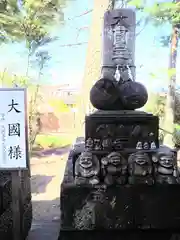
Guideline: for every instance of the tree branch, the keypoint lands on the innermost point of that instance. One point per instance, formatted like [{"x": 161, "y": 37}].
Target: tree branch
[
  {"x": 79, "y": 31},
  {"x": 82, "y": 14},
  {"x": 73, "y": 44},
  {"x": 145, "y": 24}
]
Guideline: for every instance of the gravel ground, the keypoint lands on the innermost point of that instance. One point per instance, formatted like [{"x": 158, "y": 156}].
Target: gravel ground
[{"x": 47, "y": 174}]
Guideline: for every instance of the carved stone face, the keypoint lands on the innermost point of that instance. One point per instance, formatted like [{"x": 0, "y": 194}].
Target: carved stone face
[
  {"x": 166, "y": 161},
  {"x": 114, "y": 158},
  {"x": 86, "y": 159},
  {"x": 155, "y": 158},
  {"x": 89, "y": 143},
  {"x": 141, "y": 158}
]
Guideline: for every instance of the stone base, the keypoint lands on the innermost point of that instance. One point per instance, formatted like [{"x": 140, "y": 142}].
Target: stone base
[
  {"x": 118, "y": 235},
  {"x": 6, "y": 222},
  {"x": 120, "y": 207},
  {"x": 121, "y": 126}
]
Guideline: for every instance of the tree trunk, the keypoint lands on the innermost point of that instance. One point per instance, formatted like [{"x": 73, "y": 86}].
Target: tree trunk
[
  {"x": 170, "y": 101},
  {"x": 93, "y": 62}
]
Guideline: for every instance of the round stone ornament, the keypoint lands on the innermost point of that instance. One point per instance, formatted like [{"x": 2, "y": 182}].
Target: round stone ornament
[{"x": 104, "y": 95}]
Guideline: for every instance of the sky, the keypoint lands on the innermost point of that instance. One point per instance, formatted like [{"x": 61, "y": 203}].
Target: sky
[{"x": 67, "y": 63}]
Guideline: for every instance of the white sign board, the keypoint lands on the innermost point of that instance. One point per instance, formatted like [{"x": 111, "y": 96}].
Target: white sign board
[{"x": 13, "y": 128}]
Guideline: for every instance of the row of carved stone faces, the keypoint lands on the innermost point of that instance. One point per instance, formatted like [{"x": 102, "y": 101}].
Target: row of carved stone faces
[
  {"x": 108, "y": 143},
  {"x": 139, "y": 168}
]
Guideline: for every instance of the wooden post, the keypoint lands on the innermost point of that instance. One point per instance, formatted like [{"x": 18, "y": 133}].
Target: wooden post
[{"x": 16, "y": 204}]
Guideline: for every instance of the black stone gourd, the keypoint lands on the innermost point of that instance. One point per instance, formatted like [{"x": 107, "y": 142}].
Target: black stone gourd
[
  {"x": 133, "y": 95},
  {"x": 104, "y": 95},
  {"x": 109, "y": 94}
]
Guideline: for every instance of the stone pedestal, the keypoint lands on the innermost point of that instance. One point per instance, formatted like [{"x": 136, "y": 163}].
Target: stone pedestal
[
  {"x": 126, "y": 212},
  {"x": 117, "y": 235},
  {"x": 125, "y": 183},
  {"x": 122, "y": 126},
  {"x": 120, "y": 207}
]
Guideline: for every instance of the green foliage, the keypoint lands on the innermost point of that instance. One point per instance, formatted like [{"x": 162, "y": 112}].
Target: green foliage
[
  {"x": 58, "y": 105},
  {"x": 177, "y": 127},
  {"x": 139, "y": 4},
  {"x": 177, "y": 107},
  {"x": 8, "y": 80},
  {"x": 176, "y": 137},
  {"x": 156, "y": 104},
  {"x": 28, "y": 19},
  {"x": 52, "y": 141},
  {"x": 160, "y": 12},
  {"x": 165, "y": 11}
]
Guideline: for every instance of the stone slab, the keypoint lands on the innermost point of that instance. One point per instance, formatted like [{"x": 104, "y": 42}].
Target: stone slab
[{"x": 120, "y": 207}]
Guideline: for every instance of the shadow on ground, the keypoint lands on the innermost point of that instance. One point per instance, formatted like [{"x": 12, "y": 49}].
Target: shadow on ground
[
  {"x": 39, "y": 183},
  {"x": 55, "y": 151},
  {"x": 46, "y": 223}
]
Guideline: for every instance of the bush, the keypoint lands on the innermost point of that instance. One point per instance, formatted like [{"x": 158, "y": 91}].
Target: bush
[
  {"x": 176, "y": 137},
  {"x": 52, "y": 141}
]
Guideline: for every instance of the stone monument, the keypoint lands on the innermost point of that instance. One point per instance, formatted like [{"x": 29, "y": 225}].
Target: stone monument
[{"x": 120, "y": 178}]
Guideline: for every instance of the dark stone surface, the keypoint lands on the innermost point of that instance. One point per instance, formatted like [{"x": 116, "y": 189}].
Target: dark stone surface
[
  {"x": 5, "y": 192},
  {"x": 118, "y": 57},
  {"x": 118, "y": 235},
  {"x": 120, "y": 207},
  {"x": 110, "y": 58},
  {"x": 133, "y": 95},
  {"x": 5, "y": 189},
  {"x": 89, "y": 210},
  {"x": 93, "y": 208},
  {"x": 76, "y": 151},
  {"x": 27, "y": 219},
  {"x": 5, "y": 204},
  {"x": 109, "y": 94},
  {"x": 6, "y": 222},
  {"x": 117, "y": 207},
  {"x": 105, "y": 95},
  {"x": 120, "y": 127}
]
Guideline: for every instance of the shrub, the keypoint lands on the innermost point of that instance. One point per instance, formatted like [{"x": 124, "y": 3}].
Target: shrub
[{"x": 52, "y": 141}]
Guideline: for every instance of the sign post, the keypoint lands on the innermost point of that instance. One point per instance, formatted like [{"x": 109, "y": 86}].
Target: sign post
[
  {"x": 13, "y": 147},
  {"x": 16, "y": 204}
]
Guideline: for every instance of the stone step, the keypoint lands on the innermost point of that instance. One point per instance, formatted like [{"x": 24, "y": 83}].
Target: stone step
[{"x": 44, "y": 230}]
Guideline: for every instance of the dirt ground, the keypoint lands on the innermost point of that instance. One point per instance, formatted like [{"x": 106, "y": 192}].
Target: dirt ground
[{"x": 47, "y": 174}]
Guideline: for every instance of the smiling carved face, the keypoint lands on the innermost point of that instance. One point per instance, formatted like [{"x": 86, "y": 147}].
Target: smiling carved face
[
  {"x": 166, "y": 161},
  {"x": 86, "y": 159},
  {"x": 89, "y": 143},
  {"x": 114, "y": 158},
  {"x": 141, "y": 158}
]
